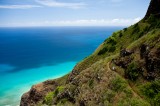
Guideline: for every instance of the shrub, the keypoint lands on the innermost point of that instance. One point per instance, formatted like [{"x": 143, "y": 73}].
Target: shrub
[
  {"x": 133, "y": 102},
  {"x": 140, "y": 34},
  {"x": 58, "y": 90},
  {"x": 120, "y": 35},
  {"x": 151, "y": 89},
  {"x": 118, "y": 84},
  {"x": 138, "y": 102},
  {"x": 136, "y": 29},
  {"x": 146, "y": 29},
  {"x": 157, "y": 100},
  {"x": 111, "y": 49},
  {"x": 128, "y": 92},
  {"x": 111, "y": 41},
  {"x": 151, "y": 19},
  {"x": 158, "y": 24},
  {"x": 49, "y": 98},
  {"x": 102, "y": 51},
  {"x": 125, "y": 29},
  {"x": 132, "y": 71},
  {"x": 109, "y": 95},
  {"x": 62, "y": 102}
]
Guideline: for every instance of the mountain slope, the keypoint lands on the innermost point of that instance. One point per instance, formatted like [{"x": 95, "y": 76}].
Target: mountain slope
[{"x": 123, "y": 71}]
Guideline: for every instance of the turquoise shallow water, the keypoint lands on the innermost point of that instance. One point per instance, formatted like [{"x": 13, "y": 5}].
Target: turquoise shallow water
[
  {"x": 18, "y": 83},
  {"x": 32, "y": 55}
]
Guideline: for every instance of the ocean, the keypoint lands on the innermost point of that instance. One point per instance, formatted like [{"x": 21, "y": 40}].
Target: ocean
[{"x": 29, "y": 55}]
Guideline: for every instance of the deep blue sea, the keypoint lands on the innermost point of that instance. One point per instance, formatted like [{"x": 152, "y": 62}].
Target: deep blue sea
[{"x": 34, "y": 54}]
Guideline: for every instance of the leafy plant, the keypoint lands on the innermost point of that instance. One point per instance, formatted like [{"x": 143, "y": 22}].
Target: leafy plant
[
  {"x": 157, "y": 100},
  {"x": 102, "y": 51},
  {"x": 132, "y": 71},
  {"x": 58, "y": 90},
  {"x": 120, "y": 35},
  {"x": 152, "y": 91},
  {"x": 125, "y": 29},
  {"x": 111, "y": 41},
  {"x": 111, "y": 49},
  {"x": 109, "y": 95},
  {"x": 136, "y": 29},
  {"x": 49, "y": 98},
  {"x": 118, "y": 84}
]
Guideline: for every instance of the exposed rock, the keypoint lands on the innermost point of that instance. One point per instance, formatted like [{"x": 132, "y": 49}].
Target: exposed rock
[
  {"x": 154, "y": 8},
  {"x": 152, "y": 63},
  {"x": 37, "y": 93},
  {"x": 125, "y": 52},
  {"x": 144, "y": 49},
  {"x": 122, "y": 61},
  {"x": 82, "y": 103},
  {"x": 66, "y": 94}
]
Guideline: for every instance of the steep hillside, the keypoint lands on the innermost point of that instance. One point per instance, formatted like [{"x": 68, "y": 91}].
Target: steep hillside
[{"x": 123, "y": 71}]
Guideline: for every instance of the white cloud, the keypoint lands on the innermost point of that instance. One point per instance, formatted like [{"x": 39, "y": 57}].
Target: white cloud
[
  {"x": 102, "y": 22},
  {"x": 54, "y": 3},
  {"x": 18, "y": 6},
  {"x": 92, "y": 22}
]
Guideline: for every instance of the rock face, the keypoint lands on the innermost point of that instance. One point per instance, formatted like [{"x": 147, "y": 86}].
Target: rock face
[
  {"x": 154, "y": 8},
  {"x": 37, "y": 93},
  {"x": 124, "y": 53}
]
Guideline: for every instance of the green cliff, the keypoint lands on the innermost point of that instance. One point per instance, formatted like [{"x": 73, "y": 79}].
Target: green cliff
[{"x": 123, "y": 71}]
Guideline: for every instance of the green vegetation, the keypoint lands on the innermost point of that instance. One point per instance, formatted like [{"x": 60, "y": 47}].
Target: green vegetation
[
  {"x": 133, "y": 102},
  {"x": 91, "y": 73},
  {"x": 109, "y": 45},
  {"x": 112, "y": 49},
  {"x": 157, "y": 99},
  {"x": 49, "y": 98},
  {"x": 107, "y": 49},
  {"x": 108, "y": 96},
  {"x": 120, "y": 35},
  {"x": 152, "y": 91},
  {"x": 111, "y": 41},
  {"x": 103, "y": 51},
  {"x": 132, "y": 71},
  {"x": 136, "y": 29},
  {"x": 118, "y": 84},
  {"x": 151, "y": 19},
  {"x": 125, "y": 29},
  {"x": 58, "y": 90}
]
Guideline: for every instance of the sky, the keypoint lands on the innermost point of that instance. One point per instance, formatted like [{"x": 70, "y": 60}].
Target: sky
[{"x": 16, "y": 13}]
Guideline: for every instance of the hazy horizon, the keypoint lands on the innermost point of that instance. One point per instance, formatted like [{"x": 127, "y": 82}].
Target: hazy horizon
[{"x": 17, "y": 13}]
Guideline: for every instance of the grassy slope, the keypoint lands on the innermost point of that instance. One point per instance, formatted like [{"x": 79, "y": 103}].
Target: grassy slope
[{"x": 93, "y": 82}]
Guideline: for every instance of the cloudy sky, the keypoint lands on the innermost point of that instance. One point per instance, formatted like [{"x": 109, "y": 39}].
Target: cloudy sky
[{"x": 71, "y": 12}]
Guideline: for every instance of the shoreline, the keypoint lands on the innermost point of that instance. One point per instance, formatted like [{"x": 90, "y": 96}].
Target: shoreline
[{"x": 10, "y": 97}]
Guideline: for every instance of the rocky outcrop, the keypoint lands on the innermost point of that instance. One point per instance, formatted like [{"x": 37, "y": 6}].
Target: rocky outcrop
[
  {"x": 125, "y": 52},
  {"x": 154, "y": 8},
  {"x": 152, "y": 63},
  {"x": 37, "y": 93}
]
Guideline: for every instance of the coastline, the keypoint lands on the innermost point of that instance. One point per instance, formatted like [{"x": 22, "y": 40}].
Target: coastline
[{"x": 12, "y": 97}]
